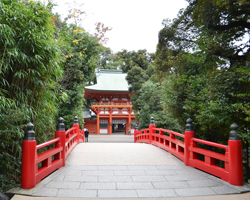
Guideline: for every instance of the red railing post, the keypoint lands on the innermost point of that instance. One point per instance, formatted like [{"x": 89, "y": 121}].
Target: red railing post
[
  {"x": 28, "y": 176},
  {"x": 76, "y": 125},
  {"x": 151, "y": 131},
  {"x": 235, "y": 157},
  {"x": 60, "y": 132},
  {"x": 136, "y": 133},
  {"x": 189, "y": 134}
]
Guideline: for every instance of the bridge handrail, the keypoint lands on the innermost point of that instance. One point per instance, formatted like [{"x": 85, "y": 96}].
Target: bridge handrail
[
  {"x": 36, "y": 166},
  {"x": 70, "y": 142},
  {"x": 170, "y": 132},
  {"x": 213, "y": 144},
  {"x": 45, "y": 144},
  {"x": 81, "y": 136},
  {"x": 188, "y": 152},
  {"x": 143, "y": 131},
  {"x": 70, "y": 131},
  {"x": 159, "y": 138}
]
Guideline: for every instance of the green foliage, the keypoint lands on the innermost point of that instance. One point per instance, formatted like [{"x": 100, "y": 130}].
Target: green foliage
[
  {"x": 136, "y": 77},
  {"x": 202, "y": 60},
  {"x": 82, "y": 56},
  {"x": 224, "y": 24},
  {"x": 197, "y": 79},
  {"x": 29, "y": 58},
  {"x": 243, "y": 106},
  {"x": 11, "y": 147},
  {"x": 32, "y": 86},
  {"x": 147, "y": 91},
  {"x": 148, "y": 102},
  {"x": 129, "y": 59},
  {"x": 109, "y": 60}
]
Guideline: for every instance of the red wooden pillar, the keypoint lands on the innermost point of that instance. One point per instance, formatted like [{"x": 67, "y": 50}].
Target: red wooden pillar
[
  {"x": 151, "y": 131},
  {"x": 28, "y": 176},
  {"x": 126, "y": 127},
  {"x": 60, "y": 132},
  {"x": 235, "y": 157},
  {"x": 189, "y": 134},
  {"x": 76, "y": 125},
  {"x": 110, "y": 121},
  {"x": 129, "y": 121},
  {"x": 98, "y": 123}
]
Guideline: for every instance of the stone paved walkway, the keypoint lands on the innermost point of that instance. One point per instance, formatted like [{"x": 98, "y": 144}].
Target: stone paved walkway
[
  {"x": 128, "y": 170},
  {"x": 115, "y": 138}
]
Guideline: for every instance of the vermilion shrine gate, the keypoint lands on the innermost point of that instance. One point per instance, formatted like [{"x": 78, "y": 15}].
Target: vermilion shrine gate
[{"x": 110, "y": 101}]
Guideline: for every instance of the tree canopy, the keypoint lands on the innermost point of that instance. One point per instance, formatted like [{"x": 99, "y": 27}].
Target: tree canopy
[
  {"x": 202, "y": 59},
  {"x": 81, "y": 52}
]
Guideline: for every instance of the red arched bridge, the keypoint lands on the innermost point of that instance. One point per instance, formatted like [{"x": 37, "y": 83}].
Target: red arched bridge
[{"x": 36, "y": 166}]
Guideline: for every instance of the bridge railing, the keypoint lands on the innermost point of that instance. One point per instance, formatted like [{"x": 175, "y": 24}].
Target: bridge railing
[
  {"x": 36, "y": 166},
  {"x": 167, "y": 140},
  {"x": 186, "y": 149}
]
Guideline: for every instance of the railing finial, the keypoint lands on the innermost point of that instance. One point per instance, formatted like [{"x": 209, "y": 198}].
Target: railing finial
[
  {"x": 30, "y": 133},
  {"x": 189, "y": 125},
  {"x": 60, "y": 126},
  {"x": 152, "y": 121},
  {"x": 76, "y": 120},
  {"x": 234, "y": 132}
]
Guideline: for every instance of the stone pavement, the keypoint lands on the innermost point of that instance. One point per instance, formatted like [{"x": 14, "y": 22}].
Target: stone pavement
[
  {"x": 244, "y": 196},
  {"x": 128, "y": 170},
  {"x": 115, "y": 138}
]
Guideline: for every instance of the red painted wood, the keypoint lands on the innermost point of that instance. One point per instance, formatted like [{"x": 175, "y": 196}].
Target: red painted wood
[
  {"x": 222, "y": 146},
  {"x": 47, "y": 143},
  {"x": 65, "y": 142},
  {"x": 62, "y": 136},
  {"x": 188, "y": 137},
  {"x": 209, "y": 153},
  {"x": 47, "y": 154},
  {"x": 235, "y": 162},
  {"x": 28, "y": 179},
  {"x": 76, "y": 126},
  {"x": 43, "y": 172},
  {"x": 188, "y": 151},
  {"x": 217, "y": 171}
]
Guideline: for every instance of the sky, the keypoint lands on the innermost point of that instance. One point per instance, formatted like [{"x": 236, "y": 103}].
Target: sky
[{"x": 135, "y": 23}]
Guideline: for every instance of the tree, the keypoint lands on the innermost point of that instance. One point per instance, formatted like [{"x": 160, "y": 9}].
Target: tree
[
  {"x": 109, "y": 60},
  {"x": 202, "y": 59},
  {"x": 225, "y": 29},
  {"x": 101, "y": 31},
  {"x": 148, "y": 102},
  {"x": 224, "y": 25},
  {"x": 141, "y": 59},
  {"x": 29, "y": 68},
  {"x": 82, "y": 56}
]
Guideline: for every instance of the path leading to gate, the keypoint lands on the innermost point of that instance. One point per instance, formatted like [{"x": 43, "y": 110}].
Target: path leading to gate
[{"x": 129, "y": 170}]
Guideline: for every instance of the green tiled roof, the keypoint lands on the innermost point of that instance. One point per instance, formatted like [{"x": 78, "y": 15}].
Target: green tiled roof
[{"x": 110, "y": 80}]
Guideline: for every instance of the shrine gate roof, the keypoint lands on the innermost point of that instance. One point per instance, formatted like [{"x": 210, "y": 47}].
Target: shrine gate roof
[{"x": 110, "y": 81}]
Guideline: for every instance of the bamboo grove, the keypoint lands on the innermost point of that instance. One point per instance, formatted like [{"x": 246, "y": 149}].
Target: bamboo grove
[{"x": 44, "y": 65}]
